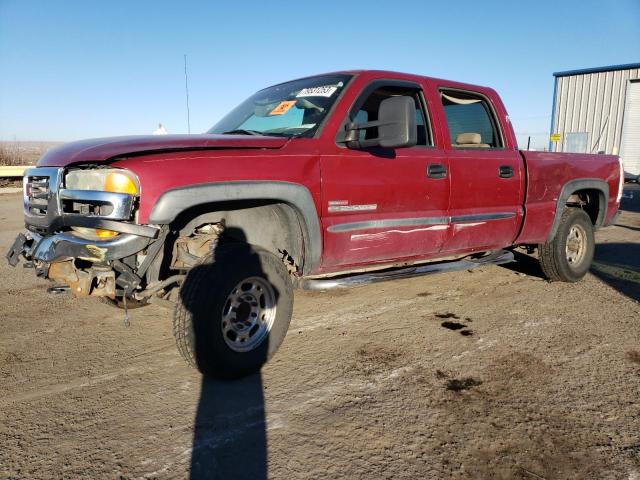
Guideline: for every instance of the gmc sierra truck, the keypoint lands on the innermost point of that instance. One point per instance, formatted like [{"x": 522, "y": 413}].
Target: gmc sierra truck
[{"x": 332, "y": 180}]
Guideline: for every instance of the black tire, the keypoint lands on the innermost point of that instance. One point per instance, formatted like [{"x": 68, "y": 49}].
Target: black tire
[
  {"x": 553, "y": 255},
  {"x": 199, "y": 318}
]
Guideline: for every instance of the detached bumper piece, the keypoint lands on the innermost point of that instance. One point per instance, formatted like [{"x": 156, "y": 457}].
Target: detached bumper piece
[
  {"x": 13, "y": 255},
  {"x": 55, "y": 256},
  {"x": 66, "y": 246}
]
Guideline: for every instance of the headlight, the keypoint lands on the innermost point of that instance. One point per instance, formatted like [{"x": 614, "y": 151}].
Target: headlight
[{"x": 104, "y": 180}]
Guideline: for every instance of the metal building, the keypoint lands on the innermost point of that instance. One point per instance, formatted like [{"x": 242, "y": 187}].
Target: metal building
[{"x": 598, "y": 110}]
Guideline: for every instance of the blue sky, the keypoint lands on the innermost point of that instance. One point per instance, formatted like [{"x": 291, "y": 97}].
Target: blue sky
[{"x": 76, "y": 69}]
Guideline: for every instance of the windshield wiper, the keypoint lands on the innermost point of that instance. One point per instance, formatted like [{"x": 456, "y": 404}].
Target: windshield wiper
[{"x": 242, "y": 131}]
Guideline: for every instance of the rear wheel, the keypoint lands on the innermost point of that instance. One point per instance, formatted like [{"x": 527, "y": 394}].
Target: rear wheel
[
  {"x": 568, "y": 256},
  {"x": 233, "y": 311}
]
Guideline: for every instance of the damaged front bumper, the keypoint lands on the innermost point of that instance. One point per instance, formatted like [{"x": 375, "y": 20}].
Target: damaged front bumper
[
  {"x": 65, "y": 246},
  {"x": 54, "y": 257},
  {"x": 53, "y": 245}
]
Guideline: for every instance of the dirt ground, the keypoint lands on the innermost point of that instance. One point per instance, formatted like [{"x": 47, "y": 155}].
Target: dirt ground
[{"x": 491, "y": 373}]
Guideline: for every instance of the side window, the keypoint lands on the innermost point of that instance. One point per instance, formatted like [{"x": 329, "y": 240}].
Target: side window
[
  {"x": 368, "y": 112},
  {"x": 470, "y": 120}
]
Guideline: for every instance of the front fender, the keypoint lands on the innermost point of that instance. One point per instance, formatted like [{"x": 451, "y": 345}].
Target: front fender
[{"x": 173, "y": 202}]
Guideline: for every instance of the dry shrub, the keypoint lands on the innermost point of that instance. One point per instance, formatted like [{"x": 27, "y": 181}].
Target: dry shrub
[{"x": 22, "y": 153}]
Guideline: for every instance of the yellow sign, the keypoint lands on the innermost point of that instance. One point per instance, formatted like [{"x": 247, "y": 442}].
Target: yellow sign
[
  {"x": 283, "y": 107},
  {"x": 555, "y": 137}
]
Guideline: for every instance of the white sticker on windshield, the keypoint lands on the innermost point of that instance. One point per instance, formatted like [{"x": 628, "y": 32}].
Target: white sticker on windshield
[{"x": 317, "y": 92}]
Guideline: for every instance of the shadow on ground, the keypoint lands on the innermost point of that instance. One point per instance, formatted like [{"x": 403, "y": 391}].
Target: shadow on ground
[
  {"x": 525, "y": 264},
  {"x": 229, "y": 439},
  {"x": 627, "y": 227},
  {"x": 618, "y": 265}
]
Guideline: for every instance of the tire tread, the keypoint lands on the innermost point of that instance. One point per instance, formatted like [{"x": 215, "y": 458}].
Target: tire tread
[{"x": 551, "y": 252}]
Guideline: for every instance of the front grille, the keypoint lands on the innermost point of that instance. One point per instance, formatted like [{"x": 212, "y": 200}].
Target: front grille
[
  {"x": 37, "y": 193},
  {"x": 41, "y": 210}
]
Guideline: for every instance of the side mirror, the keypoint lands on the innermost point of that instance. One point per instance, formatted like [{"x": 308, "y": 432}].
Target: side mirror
[{"x": 396, "y": 126}]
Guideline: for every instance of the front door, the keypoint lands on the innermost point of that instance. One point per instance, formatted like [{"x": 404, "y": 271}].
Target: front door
[{"x": 384, "y": 205}]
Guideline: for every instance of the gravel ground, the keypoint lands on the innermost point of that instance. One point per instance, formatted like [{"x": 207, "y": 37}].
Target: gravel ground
[{"x": 492, "y": 373}]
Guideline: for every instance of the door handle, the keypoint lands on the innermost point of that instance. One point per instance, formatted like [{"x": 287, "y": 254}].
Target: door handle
[
  {"x": 436, "y": 170},
  {"x": 505, "y": 171}
]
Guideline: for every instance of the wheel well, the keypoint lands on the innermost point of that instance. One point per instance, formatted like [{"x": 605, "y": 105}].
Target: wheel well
[
  {"x": 272, "y": 225},
  {"x": 592, "y": 201},
  {"x": 590, "y": 194}
]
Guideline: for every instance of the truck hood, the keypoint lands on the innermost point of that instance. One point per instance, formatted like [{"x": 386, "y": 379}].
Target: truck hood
[{"x": 103, "y": 149}]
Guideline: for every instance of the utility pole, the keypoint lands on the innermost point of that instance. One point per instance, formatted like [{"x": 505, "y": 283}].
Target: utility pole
[{"x": 186, "y": 90}]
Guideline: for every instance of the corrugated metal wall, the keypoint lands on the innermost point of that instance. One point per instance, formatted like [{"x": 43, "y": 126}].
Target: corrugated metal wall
[{"x": 592, "y": 103}]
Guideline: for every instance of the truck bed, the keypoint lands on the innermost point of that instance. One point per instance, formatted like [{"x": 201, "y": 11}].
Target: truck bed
[{"x": 548, "y": 173}]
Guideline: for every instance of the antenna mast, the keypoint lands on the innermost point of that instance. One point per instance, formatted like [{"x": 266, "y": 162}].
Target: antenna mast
[{"x": 186, "y": 89}]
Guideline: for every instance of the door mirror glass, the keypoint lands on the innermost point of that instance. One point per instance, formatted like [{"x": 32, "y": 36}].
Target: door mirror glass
[{"x": 396, "y": 125}]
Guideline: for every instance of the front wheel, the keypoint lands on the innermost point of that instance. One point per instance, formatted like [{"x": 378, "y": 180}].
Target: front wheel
[
  {"x": 233, "y": 311},
  {"x": 568, "y": 256}
]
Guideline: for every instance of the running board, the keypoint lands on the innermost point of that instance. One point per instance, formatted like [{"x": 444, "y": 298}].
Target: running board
[{"x": 497, "y": 258}]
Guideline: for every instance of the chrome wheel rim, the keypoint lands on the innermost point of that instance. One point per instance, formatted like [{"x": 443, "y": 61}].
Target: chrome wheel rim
[
  {"x": 576, "y": 246},
  {"x": 248, "y": 314}
]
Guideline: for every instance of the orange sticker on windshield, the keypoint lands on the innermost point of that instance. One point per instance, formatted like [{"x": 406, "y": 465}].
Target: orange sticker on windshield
[{"x": 283, "y": 107}]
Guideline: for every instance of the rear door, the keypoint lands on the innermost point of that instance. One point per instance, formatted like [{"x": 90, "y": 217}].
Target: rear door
[
  {"x": 487, "y": 177},
  {"x": 382, "y": 205}
]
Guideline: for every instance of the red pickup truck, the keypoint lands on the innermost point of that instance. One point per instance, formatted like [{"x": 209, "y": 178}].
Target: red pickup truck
[{"x": 331, "y": 180}]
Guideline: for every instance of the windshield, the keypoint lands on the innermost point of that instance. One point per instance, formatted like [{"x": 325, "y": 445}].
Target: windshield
[{"x": 290, "y": 109}]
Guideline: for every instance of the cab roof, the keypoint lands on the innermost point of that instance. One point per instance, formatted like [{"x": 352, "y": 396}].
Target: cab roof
[{"x": 390, "y": 74}]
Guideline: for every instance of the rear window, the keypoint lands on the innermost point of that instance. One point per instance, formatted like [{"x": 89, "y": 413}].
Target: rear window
[{"x": 470, "y": 120}]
